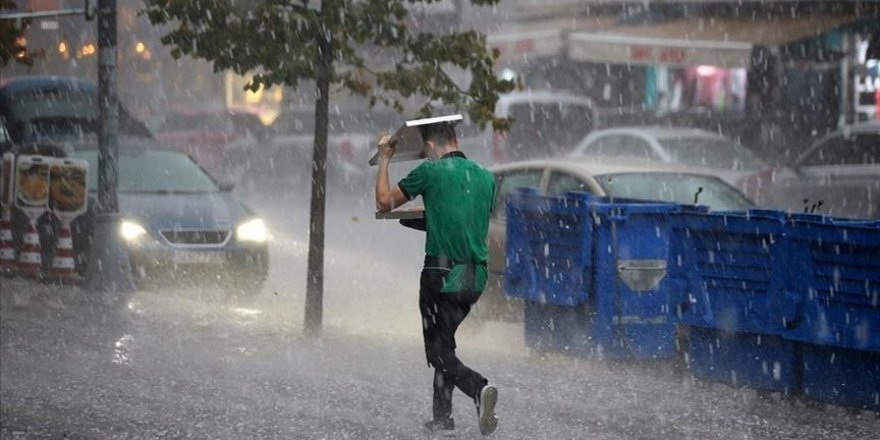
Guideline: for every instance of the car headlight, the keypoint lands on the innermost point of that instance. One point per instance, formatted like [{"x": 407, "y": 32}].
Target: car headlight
[
  {"x": 131, "y": 231},
  {"x": 253, "y": 230}
]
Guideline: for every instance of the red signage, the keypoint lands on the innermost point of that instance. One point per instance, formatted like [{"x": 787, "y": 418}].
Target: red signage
[
  {"x": 660, "y": 54},
  {"x": 41, "y": 5}
]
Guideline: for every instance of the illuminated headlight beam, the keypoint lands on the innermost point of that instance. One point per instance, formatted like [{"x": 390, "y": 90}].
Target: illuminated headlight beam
[{"x": 253, "y": 230}]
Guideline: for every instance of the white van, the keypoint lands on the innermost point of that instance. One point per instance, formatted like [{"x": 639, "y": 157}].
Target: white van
[{"x": 546, "y": 123}]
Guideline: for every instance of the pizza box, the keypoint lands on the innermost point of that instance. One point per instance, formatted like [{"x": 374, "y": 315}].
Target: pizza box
[{"x": 408, "y": 138}]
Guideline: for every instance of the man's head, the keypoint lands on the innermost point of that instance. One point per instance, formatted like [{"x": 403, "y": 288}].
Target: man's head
[{"x": 439, "y": 139}]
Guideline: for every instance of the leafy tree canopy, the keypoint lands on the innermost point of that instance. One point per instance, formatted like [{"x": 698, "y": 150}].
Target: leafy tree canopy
[{"x": 282, "y": 41}]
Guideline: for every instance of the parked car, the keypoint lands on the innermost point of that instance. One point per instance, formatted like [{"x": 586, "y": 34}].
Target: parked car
[
  {"x": 727, "y": 159},
  {"x": 545, "y": 123},
  {"x": 220, "y": 140},
  {"x": 47, "y": 108},
  {"x": 601, "y": 176},
  {"x": 839, "y": 175},
  {"x": 179, "y": 223}
]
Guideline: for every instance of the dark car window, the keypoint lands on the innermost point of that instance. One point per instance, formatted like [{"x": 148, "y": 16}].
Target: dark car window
[
  {"x": 561, "y": 182},
  {"x": 506, "y": 182},
  {"x": 57, "y": 108},
  {"x": 856, "y": 149},
  {"x": 675, "y": 187},
  {"x": 153, "y": 172}
]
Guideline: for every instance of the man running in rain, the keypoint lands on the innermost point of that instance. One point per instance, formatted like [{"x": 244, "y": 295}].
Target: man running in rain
[{"x": 458, "y": 195}]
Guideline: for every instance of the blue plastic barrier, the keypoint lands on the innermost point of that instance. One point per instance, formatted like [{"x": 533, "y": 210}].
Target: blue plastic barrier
[
  {"x": 743, "y": 359},
  {"x": 835, "y": 266},
  {"x": 729, "y": 268},
  {"x": 842, "y": 376},
  {"x": 592, "y": 273}
]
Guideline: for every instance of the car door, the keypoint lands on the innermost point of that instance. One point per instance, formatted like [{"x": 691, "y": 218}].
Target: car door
[{"x": 843, "y": 173}]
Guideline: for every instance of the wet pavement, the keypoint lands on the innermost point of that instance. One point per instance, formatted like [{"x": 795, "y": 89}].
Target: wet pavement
[
  {"x": 201, "y": 364},
  {"x": 192, "y": 361}
]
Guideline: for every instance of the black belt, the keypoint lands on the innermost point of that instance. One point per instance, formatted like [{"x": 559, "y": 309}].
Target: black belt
[{"x": 447, "y": 263}]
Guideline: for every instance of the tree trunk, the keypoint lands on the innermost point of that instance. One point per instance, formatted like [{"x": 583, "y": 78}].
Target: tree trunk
[{"x": 315, "y": 275}]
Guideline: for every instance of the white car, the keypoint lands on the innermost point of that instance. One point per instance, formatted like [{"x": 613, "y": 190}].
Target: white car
[
  {"x": 601, "y": 176},
  {"x": 545, "y": 123},
  {"x": 729, "y": 160},
  {"x": 838, "y": 175}
]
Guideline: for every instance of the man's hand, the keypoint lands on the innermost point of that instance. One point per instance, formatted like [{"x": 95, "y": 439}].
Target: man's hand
[
  {"x": 387, "y": 197},
  {"x": 386, "y": 147}
]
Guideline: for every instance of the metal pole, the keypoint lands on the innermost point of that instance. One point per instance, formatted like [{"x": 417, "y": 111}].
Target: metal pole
[
  {"x": 109, "y": 106},
  {"x": 109, "y": 266}
]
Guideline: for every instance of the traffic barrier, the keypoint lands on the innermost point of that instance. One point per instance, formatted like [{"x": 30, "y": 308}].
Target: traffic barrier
[
  {"x": 736, "y": 303},
  {"x": 836, "y": 268},
  {"x": 841, "y": 376},
  {"x": 737, "y": 358},
  {"x": 63, "y": 263},
  {"x": 30, "y": 260},
  {"x": 592, "y": 271},
  {"x": 7, "y": 246}
]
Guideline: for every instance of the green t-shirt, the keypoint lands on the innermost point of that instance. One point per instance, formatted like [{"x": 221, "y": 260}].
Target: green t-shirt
[{"x": 458, "y": 194}]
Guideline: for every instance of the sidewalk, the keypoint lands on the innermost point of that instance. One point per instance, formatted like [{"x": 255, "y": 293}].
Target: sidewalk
[{"x": 193, "y": 365}]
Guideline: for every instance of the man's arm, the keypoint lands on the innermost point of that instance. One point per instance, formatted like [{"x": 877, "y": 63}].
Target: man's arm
[{"x": 387, "y": 197}]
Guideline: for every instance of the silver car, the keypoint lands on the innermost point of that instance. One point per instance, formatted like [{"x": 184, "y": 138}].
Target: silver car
[
  {"x": 602, "y": 176},
  {"x": 838, "y": 175},
  {"x": 727, "y": 159}
]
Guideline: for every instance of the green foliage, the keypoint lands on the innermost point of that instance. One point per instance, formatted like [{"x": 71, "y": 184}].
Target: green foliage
[{"x": 281, "y": 40}]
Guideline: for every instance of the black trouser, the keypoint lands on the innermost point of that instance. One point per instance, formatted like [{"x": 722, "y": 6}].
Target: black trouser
[{"x": 441, "y": 315}]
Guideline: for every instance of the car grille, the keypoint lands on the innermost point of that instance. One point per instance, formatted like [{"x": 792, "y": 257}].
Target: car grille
[{"x": 203, "y": 237}]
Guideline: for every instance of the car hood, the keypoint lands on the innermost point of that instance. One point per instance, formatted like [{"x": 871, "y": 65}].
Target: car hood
[{"x": 217, "y": 210}]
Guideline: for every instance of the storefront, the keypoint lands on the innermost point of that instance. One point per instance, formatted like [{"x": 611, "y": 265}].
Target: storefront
[{"x": 796, "y": 68}]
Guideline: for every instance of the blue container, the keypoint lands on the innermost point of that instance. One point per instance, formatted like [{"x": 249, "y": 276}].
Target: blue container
[
  {"x": 729, "y": 268},
  {"x": 741, "y": 359},
  {"x": 842, "y": 376},
  {"x": 549, "y": 259},
  {"x": 592, "y": 272},
  {"x": 835, "y": 268}
]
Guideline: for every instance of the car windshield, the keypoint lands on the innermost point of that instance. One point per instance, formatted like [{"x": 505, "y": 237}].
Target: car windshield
[
  {"x": 153, "y": 172},
  {"x": 856, "y": 149},
  {"x": 676, "y": 188},
  {"x": 710, "y": 152}
]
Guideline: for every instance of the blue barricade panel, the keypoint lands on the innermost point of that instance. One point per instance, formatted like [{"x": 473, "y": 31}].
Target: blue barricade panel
[
  {"x": 593, "y": 272},
  {"x": 835, "y": 268},
  {"x": 547, "y": 259},
  {"x": 727, "y": 267}
]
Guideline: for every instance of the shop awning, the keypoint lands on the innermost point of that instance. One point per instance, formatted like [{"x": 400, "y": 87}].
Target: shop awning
[
  {"x": 724, "y": 42},
  {"x": 543, "y": 43}
]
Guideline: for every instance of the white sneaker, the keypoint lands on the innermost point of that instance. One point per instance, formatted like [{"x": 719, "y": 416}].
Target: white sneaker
[{"x": 486, "y": 409}]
